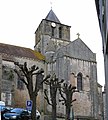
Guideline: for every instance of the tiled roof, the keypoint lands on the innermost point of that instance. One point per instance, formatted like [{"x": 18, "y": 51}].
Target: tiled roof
[{"x": 17, "y": 51}]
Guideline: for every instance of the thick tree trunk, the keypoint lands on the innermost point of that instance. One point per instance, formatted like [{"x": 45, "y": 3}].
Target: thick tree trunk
[
  {"x": 28, "y": 73},
  {"x": 33, "y": 112},
  {"x": 53, "y": 112},
  {"x": 67, "y": 112},
  {"x": 54, "y": 109}
]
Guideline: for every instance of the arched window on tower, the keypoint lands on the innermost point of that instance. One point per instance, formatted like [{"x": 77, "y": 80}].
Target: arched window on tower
[
  {"x": 79, "y": 81},
  {"x": 52, "y": 33},
  {"x": 60, "y": 32}
]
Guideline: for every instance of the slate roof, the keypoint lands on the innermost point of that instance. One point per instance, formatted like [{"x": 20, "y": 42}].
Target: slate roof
[
  {"x": 77, "y": 49},
  {"x": 17, "y": 51},
  {"x": 52, "y": 17}
]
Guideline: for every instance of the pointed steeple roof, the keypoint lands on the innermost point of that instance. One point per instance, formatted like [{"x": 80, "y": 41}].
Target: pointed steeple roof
[{"x": 52, "y": 17}]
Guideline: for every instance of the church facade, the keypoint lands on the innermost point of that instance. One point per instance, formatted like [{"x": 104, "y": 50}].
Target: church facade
[{"x": 72, "y": 61}]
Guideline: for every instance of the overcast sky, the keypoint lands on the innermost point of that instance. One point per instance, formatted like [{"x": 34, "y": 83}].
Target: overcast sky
[{"x": 20, "y": 18}]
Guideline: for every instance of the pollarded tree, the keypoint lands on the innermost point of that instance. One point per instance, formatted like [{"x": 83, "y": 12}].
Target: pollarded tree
[
  {"x": 66, "y": 92},
  {"x": 53, "y": 84},
  {"x": 28, "y": 73}
]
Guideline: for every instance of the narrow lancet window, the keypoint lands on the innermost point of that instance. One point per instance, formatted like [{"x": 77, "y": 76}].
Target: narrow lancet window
[
  {"x": 79, "y": 81},
  {"x": 60, "y": 32},
  {"x": 52, "y": 31}
]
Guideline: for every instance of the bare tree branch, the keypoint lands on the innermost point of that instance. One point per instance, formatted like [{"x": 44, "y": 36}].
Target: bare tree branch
[
  {"x": 53, "y": 84},
  {"x": 62, "y": 95},
  {"x": 73, "y": 100},
  {"x": 22, "y": 72},
  {"x": 21, "y": 77},
  {"x": 46, "y": 79},
  {"x": 46, "y": 97},
  {"x": 68, "y": 91},
  {"x": 39, "y": 72}
]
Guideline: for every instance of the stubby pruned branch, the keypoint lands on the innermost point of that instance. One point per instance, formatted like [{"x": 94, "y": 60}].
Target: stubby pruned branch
[
  {"x": 25, "y": 67},
  {"x": 66, "y": 93},
  {"x": 21, "y": 67},
  {"x": 53, "y": 84},
  {"x": 21, "y": 77},
  {"x": 46, "y": 78},
  {"x": 38, "y": 72},
  {"x": 61, "y": 81},
  {"x": 73, "y": 100},
  {"x": 33, "y": 68},
  {"x": 33, "y": 89},
  {"x": 46, "y": 97},
  {"x": 64, "y": 99}
]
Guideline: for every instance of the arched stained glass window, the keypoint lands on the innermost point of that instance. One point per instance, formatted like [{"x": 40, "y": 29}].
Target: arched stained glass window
[{"x": 79, "y": 81}]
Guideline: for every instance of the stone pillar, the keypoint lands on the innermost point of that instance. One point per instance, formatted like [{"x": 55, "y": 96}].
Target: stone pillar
[{"x": 94, "y": 90}]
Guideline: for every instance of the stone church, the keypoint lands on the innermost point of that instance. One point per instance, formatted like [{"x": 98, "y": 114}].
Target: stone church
[{"x": 71, "y": 60}]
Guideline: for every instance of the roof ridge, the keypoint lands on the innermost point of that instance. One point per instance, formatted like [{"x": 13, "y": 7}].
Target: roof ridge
[{"x": 14, "y": 45}]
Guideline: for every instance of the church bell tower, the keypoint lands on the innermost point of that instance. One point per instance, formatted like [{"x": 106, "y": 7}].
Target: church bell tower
[{"x": 51, "y": 34}]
